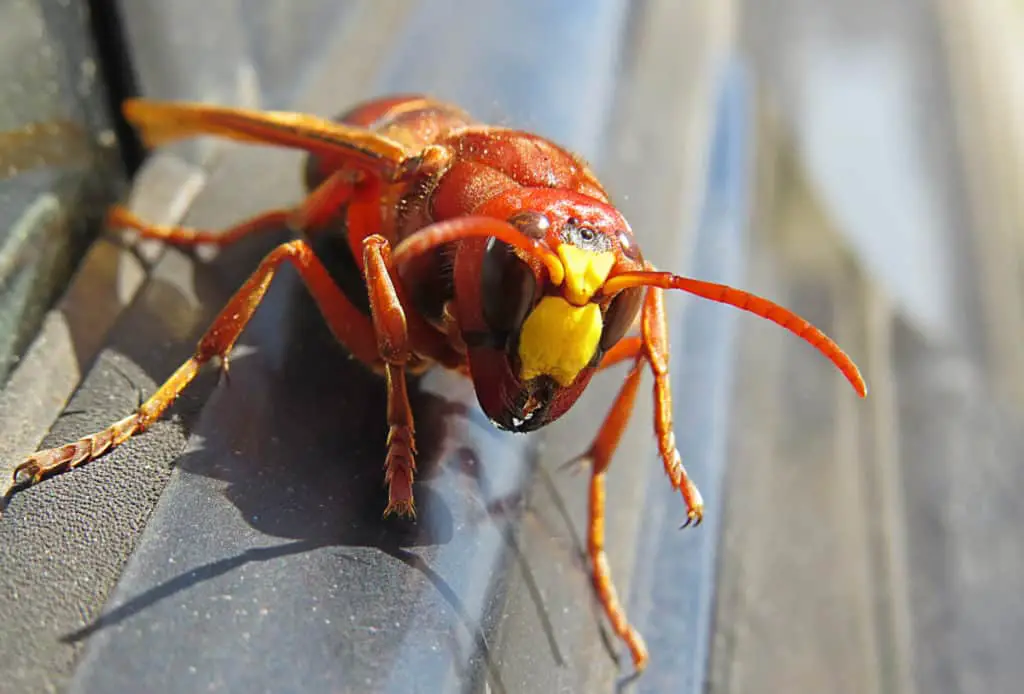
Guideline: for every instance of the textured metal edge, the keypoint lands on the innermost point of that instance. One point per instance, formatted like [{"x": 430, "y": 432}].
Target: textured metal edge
[{"x": 72, "y": 333}]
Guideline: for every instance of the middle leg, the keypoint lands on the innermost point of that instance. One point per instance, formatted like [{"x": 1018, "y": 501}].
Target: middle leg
[{"x": 274, "y": 220}]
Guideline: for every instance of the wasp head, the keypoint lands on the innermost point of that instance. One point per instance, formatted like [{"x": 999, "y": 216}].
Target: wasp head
[{"x": 542, "y": 322}]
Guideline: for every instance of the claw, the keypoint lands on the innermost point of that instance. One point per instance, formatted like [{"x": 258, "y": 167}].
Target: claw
[
  {"x": 694, "y": 517},
  {"x": 37, "y": 466},
  {"x": 401, "y": 508},
  {"x": 27, "y": 473},
  {"x": 694, "y": 504}
]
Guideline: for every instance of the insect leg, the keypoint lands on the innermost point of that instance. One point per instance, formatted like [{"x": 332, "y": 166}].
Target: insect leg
[
  {"x": 351, "y": 327},
  {"x": 655, "y": 336},
  {"x": 600, "y": 455},
  {"x": 625, "y": 349},
  {"x": 391, "y": 329},
  {"x": 272, "y": 221},
  {"x": 363, "y": 220},
  {"x": 316, "y": 210}
]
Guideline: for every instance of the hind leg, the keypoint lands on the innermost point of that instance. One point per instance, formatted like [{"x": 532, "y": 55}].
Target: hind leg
[
  {"x": 121, "y": 217},
  {"x": 349, "y": 326}
]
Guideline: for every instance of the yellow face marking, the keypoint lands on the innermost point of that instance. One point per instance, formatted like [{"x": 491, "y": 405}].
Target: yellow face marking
[
  {"x": 559, "y": 339},
  {"x": 585, "y": 271}
]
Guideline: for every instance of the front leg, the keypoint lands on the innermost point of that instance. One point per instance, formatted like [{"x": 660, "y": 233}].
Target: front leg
[
  {"x": 392, "y": 332},
  {"x": 599, "y": 455},
  {"x": 655, "y": 337},
  {"x": 650, "y": 347}
]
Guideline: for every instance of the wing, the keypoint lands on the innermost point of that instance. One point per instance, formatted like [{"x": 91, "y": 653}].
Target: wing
[{"x": 162, "y": 122}]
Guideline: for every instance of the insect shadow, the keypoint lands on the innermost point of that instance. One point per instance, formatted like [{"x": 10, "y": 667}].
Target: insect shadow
[
  {"x": 298, "y": 430},
  {"x": 295, "y": 442}
]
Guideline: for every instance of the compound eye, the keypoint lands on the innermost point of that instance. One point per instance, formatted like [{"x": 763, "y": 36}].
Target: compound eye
[
  {"x": 532, "y": 224},
  {"x": 507, "y": 288},
  {"x": 621, "y": 314}
]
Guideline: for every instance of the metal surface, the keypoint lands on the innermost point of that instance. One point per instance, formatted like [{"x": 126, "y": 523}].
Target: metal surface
[
  {"x": 58, "y": 160},
  {"x": 263, "y": 564}
]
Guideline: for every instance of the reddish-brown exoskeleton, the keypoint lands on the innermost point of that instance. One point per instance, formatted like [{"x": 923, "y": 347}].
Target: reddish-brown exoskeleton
[{"x": 482, "y": 249}]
